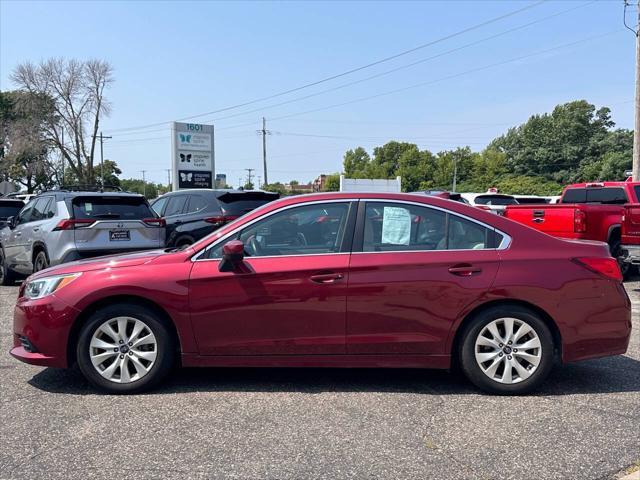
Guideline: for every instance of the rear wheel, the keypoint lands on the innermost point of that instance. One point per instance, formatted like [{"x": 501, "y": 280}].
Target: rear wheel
[
  {"x": 40, "y": 262},
  {"x": 7, "y": 277},
  {"x": 507, "y": 350},
  {"x": 626, "y": 268},
  {"x": 125, "y": 348}
]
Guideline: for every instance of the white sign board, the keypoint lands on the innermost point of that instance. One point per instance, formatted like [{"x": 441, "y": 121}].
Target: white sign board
[
  {"x": 370, "y": 185},
  {"x": 193, "y": 156}
]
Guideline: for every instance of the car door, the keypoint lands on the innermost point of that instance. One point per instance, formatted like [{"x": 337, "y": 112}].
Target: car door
[
  {"x": 414, "y": 270},
  {"x": 16, "y": 244},
  {"x": 293, "y": 298},
  {"x": 173, "y": 215},
  {"x": 34, "y": 231}
]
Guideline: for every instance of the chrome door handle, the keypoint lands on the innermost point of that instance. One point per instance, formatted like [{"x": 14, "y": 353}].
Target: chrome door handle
[
  {"x": 326, "y": 278},
  {"x": 464, "y": 270}
]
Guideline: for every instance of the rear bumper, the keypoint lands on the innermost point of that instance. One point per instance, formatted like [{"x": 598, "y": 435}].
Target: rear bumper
[{"x": 631, "y": 254}]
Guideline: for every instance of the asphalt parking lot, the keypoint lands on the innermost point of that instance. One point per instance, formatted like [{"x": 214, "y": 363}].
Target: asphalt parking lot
[{"x": 327, "y": 423}]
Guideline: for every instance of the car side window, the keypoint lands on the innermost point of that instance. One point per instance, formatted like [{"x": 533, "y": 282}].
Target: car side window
[
  {"x": 197, "y": 203},
  {"x": 305, "y": 230},
  {"x": 158, "y": 205},
  {"x": 51, "y": 209},
  {"x": 25, "y": 214},
  {"x": 392, "y": 227},
  {"x": 176, "y": 205},
  {"x": 39, "y": 211}
]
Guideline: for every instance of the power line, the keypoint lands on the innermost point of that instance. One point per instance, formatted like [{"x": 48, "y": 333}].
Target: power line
[
  {"x": 342, "y": 74},
  {"x": 448, "y": 77},
  {"x": 401, "y": 67}
]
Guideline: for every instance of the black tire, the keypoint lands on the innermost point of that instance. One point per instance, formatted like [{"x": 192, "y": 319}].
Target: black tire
[
  {"x": 165, "y": 345},
  {"x": 471, "y": 367},
  {"x": 40, "y": 262},
  {"x": 184, "y": 242},
  {"x": 626, "y": 268},
  {"x": 7, "y": 277}
]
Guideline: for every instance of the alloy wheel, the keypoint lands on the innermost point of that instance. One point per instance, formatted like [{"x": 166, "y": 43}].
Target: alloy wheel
[
  {"x": 508, "y": 350},
  {"x": 123, "y": 349}
]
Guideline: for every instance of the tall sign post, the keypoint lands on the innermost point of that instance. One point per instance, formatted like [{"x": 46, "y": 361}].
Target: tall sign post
[{"x": 193, "y": 156}]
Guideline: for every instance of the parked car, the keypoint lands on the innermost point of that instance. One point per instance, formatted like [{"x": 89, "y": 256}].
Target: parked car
[
  {"x": 456, "y": 197},
  {"x": 492, "y": 201},
  {"x": 24, "y": 196},
  {"x": 8, "y": 208},
  {"x": 630, "y": 234},
  {"x": 334, "y": 280},
  {"x": 193, "y": 214},
  {"x": 587, "y": 211},
  {"x": 532, "y": 199},
  {"x": 61, "y": 226}
]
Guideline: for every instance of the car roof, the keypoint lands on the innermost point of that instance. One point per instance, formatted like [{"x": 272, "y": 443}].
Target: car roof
[
  {"x": 65, "y": 194},
  {"x": 12, "y": 201},
  {"x": 600, "y": 184}
]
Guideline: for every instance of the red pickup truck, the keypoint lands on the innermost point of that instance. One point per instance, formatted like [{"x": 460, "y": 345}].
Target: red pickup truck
[
  {"x": 631, "y": 232},
  {"x": 588, "y": 211}
]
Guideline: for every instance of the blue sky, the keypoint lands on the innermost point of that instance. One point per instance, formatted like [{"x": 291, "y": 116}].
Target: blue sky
[{"x": 177, "y": 59}]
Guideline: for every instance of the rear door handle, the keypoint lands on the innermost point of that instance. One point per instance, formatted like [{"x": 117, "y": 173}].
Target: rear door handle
[
  {"x": 464, "y": 270},
  {"x": 326, "y": 277}
]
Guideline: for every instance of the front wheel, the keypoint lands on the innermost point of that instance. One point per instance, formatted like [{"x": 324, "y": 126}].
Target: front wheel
[
  {"x": 6, "y": 275},
  {"x": 125, "y": 348},
  {"x": 507, "y": 350}
]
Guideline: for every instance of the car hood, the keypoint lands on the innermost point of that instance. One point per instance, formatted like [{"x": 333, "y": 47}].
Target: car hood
[{"x": 99, "y": 263}]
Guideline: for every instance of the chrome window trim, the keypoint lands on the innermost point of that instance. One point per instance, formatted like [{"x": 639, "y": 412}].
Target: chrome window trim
[
  {"x": 196, "y": 257},
  {"x": 504, "y": 244}
]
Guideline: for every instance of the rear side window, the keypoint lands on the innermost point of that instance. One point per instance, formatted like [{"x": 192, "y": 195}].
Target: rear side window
[
  {"x": 39, "y": 211},
  {"x": 391, "y": 227},
  {"x": 636, "y": 189},
  {"x": 197, "y": 203},
  {"x": 176, "y": 205},
  {"x": 124, "y": 208},
  {"x": 606, "y": 195},
  {"x": 159, "y": 204}
]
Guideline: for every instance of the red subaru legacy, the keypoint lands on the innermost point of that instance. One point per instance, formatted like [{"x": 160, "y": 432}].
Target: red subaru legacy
[{"x": 334, "y": 280}]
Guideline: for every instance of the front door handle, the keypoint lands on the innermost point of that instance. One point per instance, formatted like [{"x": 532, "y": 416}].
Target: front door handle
[
  {"x": 464, "y": 270},
  {"x": 326, "y": 277},
  {"x": 35, "y": 229},
  {"x": 18, "y": 234}
]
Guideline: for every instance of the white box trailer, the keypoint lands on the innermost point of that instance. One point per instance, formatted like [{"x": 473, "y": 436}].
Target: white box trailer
[{"x": 370, "y": 185}]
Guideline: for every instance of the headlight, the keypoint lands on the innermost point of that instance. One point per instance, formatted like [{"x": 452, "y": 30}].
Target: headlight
[{"x": 42, "y": 287}]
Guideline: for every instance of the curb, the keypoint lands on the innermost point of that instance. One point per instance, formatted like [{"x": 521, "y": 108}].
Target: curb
[{"x": 632, "y": 476}]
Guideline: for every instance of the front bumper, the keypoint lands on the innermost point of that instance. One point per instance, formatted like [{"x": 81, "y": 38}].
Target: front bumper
[
  {"x": 631, "y": 254},
  {"x": 46, "y": 324}
]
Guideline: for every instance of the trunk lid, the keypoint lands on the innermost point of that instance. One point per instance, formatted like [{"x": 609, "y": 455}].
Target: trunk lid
[{"x": 556, "y": 220}]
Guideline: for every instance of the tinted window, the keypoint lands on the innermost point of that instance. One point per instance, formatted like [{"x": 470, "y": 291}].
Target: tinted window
[
  {"x": 310, "y": 229},
  {"x": 495, "y": 200},
  {"x": 239, "y": 203},
  {"x": 392, "y": 227},
  {"x": 636, "y": 189},
  {"x": 398, "y": 227},
  {"x": 466, "y": 235},
  {"x": 125, "y": 208},
  {"x": 607, "y": 195},
  {"x": 8, "y": 210},
  {"x": 176, "y": 205},
  {"x": 51, "y": 209},
  {"x": 159, "y": 204},
  {"x": 25, "y": 213},
  {"x": 197, "y": 203},
  {"x": 39, "y": 211}
]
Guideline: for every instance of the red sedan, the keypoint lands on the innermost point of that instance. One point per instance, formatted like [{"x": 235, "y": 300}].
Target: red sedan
[{"x": 334, "y": 280}]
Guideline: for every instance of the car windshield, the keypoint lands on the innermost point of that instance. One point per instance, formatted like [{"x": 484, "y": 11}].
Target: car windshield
[{"x": 111, "y": 207}]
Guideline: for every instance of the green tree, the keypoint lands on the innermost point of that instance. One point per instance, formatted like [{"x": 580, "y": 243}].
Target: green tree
[
  {"x": 148, "y": 189},
  {"x": 356, "y": 162},
  {"x": 276, "y": 187},
  {"x": 332, "y": 183}
]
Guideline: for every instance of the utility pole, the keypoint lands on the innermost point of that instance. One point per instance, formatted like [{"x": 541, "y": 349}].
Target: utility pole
[
  {"x": 636, "y": 132},
  {"x": 169, "y": 178},
  {"x": 249, "y": 175},
  {"x": 102, "y": 139},
  {"x": 455, "y": 173},
  {"x": 264, "y": 132},
  {"x": 144, "y": 183},
  {"x": 258, "y": 184},
  {"x": 63, "y": 162}
]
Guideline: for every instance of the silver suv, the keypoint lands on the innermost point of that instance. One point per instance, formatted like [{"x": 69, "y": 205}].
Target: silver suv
[{"x": 59, "y": 226}]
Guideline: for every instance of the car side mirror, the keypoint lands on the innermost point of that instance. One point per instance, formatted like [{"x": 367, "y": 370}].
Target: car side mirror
[
  {"x": 11, "y": 222},
  {"x": 232, "y": 257}
]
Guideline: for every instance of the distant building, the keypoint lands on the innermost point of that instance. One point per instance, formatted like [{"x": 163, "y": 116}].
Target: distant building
[
  {"x": 221, "y": 180},
  {"x": 300, "y": 188}
]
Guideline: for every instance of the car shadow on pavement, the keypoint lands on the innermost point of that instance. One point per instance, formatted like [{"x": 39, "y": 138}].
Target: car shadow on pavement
[{"x": 609, "y": 375}]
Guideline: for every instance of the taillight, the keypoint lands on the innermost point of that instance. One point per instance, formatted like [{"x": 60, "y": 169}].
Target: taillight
[
  {"x": 606, "y": 266},
  {"x": 155, "y": 222},
  {"x": 220, "y": 219},
  {"x": 579, "y": 221},
  {"x": 71, "y": 223}
]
